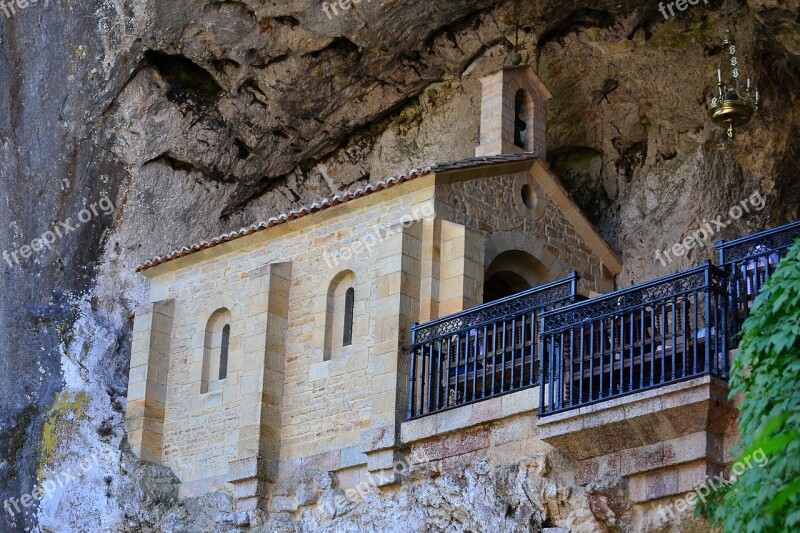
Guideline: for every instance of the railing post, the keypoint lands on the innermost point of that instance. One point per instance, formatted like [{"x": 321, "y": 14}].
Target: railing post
[
  {"x": 556, "y": 372},
  {"x": 721, "y": 251},
  {"x": 574, "y": 286},
  {"x": 412, "y": 371}
]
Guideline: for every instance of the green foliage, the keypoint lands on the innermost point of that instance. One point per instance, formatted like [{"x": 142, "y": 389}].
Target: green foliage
[{"x": 767, "y": 373}]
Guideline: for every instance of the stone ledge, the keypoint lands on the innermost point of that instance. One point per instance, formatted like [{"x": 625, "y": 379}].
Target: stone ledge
[
  {"x": 199, "y": 487},
  {"x": 681, "y": 479},
  {"x": 378, "y": 439},
  {"x": 254, "y": 467},
  {"x": 640, "y": 419},
  {"x": 330, "y": 461},
  {"x": 697, "y": 447},
  {"x": 489, "y": 410}
]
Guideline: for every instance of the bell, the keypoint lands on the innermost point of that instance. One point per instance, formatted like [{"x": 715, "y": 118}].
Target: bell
[{"x": 520, "y": 133}]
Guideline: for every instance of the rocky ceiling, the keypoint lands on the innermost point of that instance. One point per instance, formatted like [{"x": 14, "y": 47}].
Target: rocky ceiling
[{"x": 248, "y": 93}]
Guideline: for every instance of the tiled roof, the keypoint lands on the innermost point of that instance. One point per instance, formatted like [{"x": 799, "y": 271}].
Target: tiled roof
[{"x": 470, "y": 162}]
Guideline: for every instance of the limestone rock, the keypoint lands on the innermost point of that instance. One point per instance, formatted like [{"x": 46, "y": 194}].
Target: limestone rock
[
  {"x": 205, "y": 514},
  {"x": 482, "y": 497},
  {"x": 148, "y": 492}
]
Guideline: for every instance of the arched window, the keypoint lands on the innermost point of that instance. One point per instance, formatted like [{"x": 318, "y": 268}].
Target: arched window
[
  {"x": 340, "y": 313},
  {"x": 223, "y": 351},
  {"x": 216, "y": 348},
  {"x": 349, "y": 302},
  {"x": 523, "y": 120}
]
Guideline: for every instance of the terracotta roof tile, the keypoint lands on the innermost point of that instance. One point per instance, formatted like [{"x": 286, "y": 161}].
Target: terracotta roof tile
[{"x": 319, "y": 205}]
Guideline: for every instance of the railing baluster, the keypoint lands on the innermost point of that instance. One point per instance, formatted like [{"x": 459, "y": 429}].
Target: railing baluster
[
  {"x": 707, "y": 325},
  {"x": 611, "y": 347},
  {"x": 494, "y": 355},
  {"x": 674, "y": 333},
  {"x": 551, "y": 372},
  {"x": 756, "y": 279},
  {"x": 591, "y": 361},
  {"x": 422, "y": 371},
  {"x": 513, "y": 352},
  {"x": 613, "y": 358},
  {"x": 521, "y": 349},
  {"x": 580, "y": 380},
  {"x": 715, "y": 310},
  {"x": 734, "y": 287},
  {"x": 439, "y": 375},
  {"x": 532, "y": 354},
  {"x": 632, "y": 353},
  {"x": 621, "y": 348},
  {"x": 602, "y": 341},
  {"x": 485, "y": 360},
  {"x": 695, "y": 328},
  {"x": 653, "y": 340},
  {"x": 684, "y": 325},
  {"x": 428, "y": 389},
  {"x": 724, "y": 328},
  {"x": 466, "y": 365},
  {"x": 543, "y": 373},
  {"x": 475, "y": 356},
  {"x": 453, "y": 371},
  {"x": 503, "y": 366},
  {"x": 663, "y": 340},
  {"x": 561, "y": 360},
  {"x": 571, "y": 364},
  {"x": 643, "y": 336}
]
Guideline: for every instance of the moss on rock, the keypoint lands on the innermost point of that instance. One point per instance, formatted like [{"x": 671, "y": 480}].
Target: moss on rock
[{"x": 68, "y": 409}]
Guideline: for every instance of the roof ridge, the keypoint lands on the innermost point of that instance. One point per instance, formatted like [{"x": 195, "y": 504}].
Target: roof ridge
[{"x": 334, "y": 200}]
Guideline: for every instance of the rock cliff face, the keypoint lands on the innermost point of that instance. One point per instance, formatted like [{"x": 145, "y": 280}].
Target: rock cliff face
[{"x": 192, "y": 117}]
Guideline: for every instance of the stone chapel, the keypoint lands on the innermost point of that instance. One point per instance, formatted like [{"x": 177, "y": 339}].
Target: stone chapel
[{"x": 288, "y": 344}]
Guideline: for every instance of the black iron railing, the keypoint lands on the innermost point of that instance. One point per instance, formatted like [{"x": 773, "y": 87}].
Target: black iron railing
[
  {"x": 749, "y": 262},
  {"x": 661, "y": 332},
  {"x": 482, "y": 352},
  {"x": 627, "y": 341}
]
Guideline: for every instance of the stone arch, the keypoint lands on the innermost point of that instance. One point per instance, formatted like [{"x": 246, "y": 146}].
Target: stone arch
[
  {"x": 216, "y": 348},
  {"x": 534, "y": 106},
  {"x": 221, "y": 311},
  {"x": 523, "y": 120},
  {"x": 339, "y": 312},
  {"x": 519, "y": 261}
]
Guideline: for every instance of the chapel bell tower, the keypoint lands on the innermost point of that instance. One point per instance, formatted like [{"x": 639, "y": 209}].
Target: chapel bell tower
[{"x": 513, "y": 113}]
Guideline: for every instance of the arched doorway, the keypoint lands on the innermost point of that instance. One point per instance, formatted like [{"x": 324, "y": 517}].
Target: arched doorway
[
  {"x": 502, "y": 284},
  {"x": 512, "y": 272}
]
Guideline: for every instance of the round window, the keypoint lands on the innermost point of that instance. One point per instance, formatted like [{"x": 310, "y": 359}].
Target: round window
[{"x": 528, "y": 196}]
